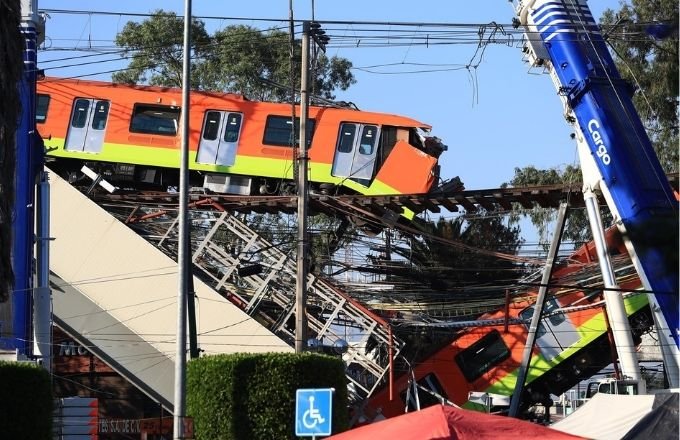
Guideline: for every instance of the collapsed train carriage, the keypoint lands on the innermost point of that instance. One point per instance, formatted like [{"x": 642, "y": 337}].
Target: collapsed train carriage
[
  {"x": 131, "y": 135},
  {"x": 572, "y": 344}
]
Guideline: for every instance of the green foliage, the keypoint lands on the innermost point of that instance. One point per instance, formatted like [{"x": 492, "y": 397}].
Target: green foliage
[
  {"x": 155, "y": 47},
  {"x": 242, "y": 57},
  {"x": 453, "y": 254},
  {"x": 330, "y": 74},
  {"x": 252, "y": 396},
  {"x": 652, "y": 65},
  {"x": 577, "y": 227},
  {"x": 533, "y": 176},
  {"x": 444, "y": 267},
  {"x": 25, "y": 401},
  {"x": 238, "y": 59}
]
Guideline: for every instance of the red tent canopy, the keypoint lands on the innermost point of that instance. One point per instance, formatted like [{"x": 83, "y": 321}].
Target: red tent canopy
[{"x": 449, "y": 423}]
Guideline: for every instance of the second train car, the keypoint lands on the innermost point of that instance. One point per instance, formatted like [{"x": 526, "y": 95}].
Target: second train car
[
  {"x": 131, "y": 136},
  {"x": 571, "y": 344}
]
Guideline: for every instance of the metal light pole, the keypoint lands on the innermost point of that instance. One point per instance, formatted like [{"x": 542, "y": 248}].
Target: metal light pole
[
  {"x": 303, "y": 198},
  {"x": 183, "y": 258}
]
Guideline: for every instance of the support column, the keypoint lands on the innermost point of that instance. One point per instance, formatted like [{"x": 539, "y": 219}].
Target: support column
[
  {"x": 28, "y": 161},
  {"x": 616, "y": 310}
]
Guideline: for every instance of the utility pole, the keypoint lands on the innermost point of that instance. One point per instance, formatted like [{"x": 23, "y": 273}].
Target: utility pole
[
  {"x": 303, "y": 199},
  {"x": 42, "y": 294},
  {"x": 183, "y": 258},
  {"x": 538, "y": 312},
  {"x": 313, "y": 30}
]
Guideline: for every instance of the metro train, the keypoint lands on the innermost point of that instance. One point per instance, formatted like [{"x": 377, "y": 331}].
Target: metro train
[
  {"x": 571, "y": 344},
  {"x": 131, "y": 136}
]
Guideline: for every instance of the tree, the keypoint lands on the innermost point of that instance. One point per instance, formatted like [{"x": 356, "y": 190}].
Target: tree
[
  {"x": 650, "y": 63},
  {"x": 155, "y": 50},
  {"x": 446, "y": 267},
  {"x": 577, "y": 227},
  {"x": 238, "y": 59},
  {"x": 251, "y": 62}
]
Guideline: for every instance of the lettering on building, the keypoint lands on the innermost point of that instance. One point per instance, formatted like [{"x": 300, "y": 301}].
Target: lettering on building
[
  {"x": 70, "y": 348},
  {"x": 120, "y": 426}
]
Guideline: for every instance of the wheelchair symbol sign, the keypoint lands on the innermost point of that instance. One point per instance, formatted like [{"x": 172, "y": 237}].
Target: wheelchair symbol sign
[{"x": 313, "y": 412}]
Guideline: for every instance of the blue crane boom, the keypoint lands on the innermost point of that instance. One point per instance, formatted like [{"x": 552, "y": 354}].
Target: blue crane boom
[{"x": 563, "y": 37}]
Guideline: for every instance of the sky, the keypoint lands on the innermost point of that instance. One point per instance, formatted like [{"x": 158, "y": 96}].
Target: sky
[{"x": 494, "y": 118}]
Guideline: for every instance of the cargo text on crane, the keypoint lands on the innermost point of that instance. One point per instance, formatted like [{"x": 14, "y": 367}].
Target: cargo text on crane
[{"x": 602, "y": 153}]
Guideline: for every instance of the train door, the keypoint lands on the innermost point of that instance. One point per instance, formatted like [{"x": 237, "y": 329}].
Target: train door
[
  {"x": 356, "y": 151},
  {"x": 88, "y": 125},
  {"x": 219, "y": 138},
  {"x": 555, "y": 333}
]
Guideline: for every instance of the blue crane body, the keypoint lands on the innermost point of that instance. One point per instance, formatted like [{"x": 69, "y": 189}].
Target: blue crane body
[
  {"x": 565, "y": 35},
  {"x": 28, "y": 163}
]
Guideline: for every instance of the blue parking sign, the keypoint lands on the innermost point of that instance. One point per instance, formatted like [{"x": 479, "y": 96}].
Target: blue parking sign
[{"x": 313, "y": 412}]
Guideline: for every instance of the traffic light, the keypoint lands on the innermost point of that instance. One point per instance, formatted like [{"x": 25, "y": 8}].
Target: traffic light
[{"x": 318, "y": 35}]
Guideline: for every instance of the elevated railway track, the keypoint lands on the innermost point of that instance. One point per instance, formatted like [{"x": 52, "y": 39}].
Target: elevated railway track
[{"x": 385, "y": 207}]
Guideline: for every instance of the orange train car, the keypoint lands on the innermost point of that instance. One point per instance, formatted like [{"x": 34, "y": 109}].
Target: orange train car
[
  {"x": 131, "y": 135},
  {"x": 571, "y": 345}
]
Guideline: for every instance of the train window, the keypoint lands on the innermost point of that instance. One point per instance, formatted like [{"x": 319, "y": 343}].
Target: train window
[
  {"x": 483, "y": 355},
  {"x": 368, "y": 140},
  {"x": 42, "y": 104},
  {"x": 233, "y": 127},
  {"x": 558, "y": 318},
  {"x": 101, "y": 113},
  {"x": 346, "y": 141},
  {"x": 526, "y": 316},
  {"x": 211, "y": 126},
  {"x": 80, "y": 113},
  {"x": 278, "y": 130},
  {"x": 550, "y": 306},
  {"x": 155, "y": 119}
]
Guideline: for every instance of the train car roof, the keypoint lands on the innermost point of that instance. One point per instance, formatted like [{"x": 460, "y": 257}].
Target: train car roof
[
  {"x": 232, "y": 96},
  {"x": 156, "y": 89}
]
